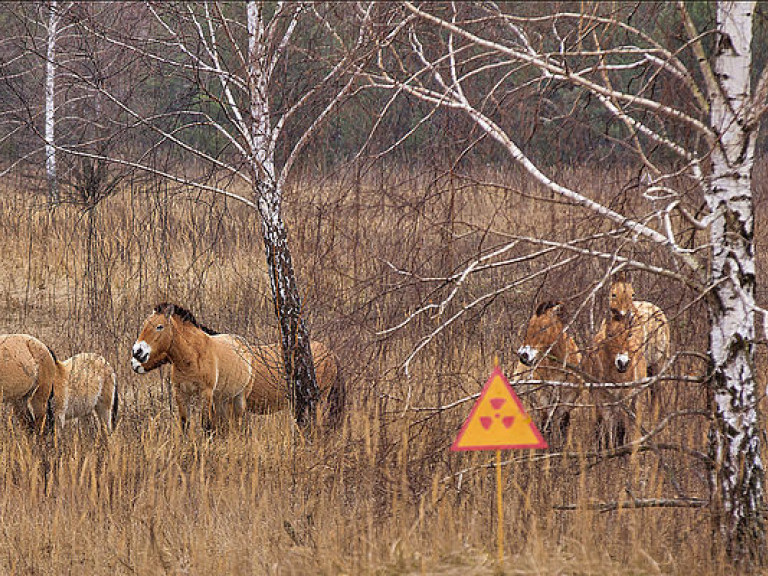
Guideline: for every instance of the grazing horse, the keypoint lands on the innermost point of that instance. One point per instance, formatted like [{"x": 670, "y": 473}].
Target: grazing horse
[
  {"x": 85, "y": 384},
  {"x": 553, "y": 355},
  {"x": 27, "y": 373},
  {"x": 617, "y": 355},
  {"x": 217, "y": 368}
]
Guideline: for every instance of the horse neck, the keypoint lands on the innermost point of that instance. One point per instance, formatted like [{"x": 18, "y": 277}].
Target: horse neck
[
  {"x": 186, "y": 343},
  {"x": 562, "y": 358}
]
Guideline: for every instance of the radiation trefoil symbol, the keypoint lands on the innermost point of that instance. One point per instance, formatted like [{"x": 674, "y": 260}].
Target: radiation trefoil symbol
[{"x": 498, "y": 420}]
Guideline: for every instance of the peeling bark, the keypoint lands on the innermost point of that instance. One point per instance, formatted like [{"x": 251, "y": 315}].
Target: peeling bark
[
  {"x": 738, "y": 475},
  {"x": 294, "y": 335}
]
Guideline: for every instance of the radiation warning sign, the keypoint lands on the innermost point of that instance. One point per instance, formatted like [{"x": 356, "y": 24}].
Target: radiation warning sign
[{"x": 498, "y": 421}]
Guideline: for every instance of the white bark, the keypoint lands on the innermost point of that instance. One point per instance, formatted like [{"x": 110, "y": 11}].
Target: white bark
[
  {"x": 50, "y": 102},
  {"x": 737, "y": 482}
]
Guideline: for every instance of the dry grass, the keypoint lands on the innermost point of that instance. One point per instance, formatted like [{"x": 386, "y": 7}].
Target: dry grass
[{"x": 381, "y": 495}]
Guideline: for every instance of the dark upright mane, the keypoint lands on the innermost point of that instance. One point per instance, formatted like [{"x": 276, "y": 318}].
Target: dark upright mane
[
  {"x": 182, "y": 314},
  {"x": 544, "y": 306}
]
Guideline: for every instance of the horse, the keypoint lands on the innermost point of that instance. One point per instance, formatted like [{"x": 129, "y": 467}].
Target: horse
[
  {"x": 219, "y": 369},
  {"x": 224, "y": 370},
  {"x": 649, "y": 323},
  {"x": 647, "y": 320},
  {"x": 550, "y": 353},
  {"x": 27, "y": 373},
  {"x": 617, "y": 355},
  {"x": 85, "y": 385}
]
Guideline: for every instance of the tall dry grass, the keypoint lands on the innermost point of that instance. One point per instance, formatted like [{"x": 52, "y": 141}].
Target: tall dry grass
[{"x": 382, "y": 494}]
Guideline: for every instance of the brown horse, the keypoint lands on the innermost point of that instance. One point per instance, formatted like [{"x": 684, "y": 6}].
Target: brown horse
[
  {"x": 27, "y": 372},
  {"x": 85, "y": 385},
  {"x": 551, "y": 354},
  {"x": 217, "y": 368},
  {"x": 615, "y": 357},
  {"x": 648, "y": 322},
  {"x": 223, "y": 369}
]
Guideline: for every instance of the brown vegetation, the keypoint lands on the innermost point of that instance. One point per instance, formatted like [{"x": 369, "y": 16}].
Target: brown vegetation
[{"x": 380, "y": 494}]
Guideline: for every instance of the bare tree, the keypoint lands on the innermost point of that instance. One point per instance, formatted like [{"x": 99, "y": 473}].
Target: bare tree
[
  {"x": 689, "y": 116},
  {"x": 235, "y": 61}
]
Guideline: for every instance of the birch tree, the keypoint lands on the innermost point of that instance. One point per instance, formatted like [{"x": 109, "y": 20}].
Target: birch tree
[
  {"x": 694, "y": 143},
  {"x": 236, "y": 59},
  {"x": 50, "y": 101}
]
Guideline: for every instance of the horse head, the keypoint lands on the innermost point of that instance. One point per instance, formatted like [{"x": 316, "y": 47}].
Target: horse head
[
  {"x": 622, "y": 296},
  {"x": 155, "y": 339},
  {"x": 545, "y": 332},
  {"x": 618, "y": 342}
]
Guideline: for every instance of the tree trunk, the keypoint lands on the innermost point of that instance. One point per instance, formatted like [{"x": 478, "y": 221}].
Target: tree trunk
[
  {"x": 294, "y": 335},
  {"x": 50, "y": 86},
  {"x": 738, "y": 474}
]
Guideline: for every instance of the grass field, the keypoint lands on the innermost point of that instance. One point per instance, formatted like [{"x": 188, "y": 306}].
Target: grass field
[{"x": 382, "y": 494}]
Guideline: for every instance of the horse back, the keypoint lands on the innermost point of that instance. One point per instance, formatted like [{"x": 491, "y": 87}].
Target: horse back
[
  {"x": 25, "y": 363},
  {"x": 84, "y": 378},
  {"x": 269, "y": 393},
  {"x": 656, "y": 333},
  {"x": 233, "y": 361}
]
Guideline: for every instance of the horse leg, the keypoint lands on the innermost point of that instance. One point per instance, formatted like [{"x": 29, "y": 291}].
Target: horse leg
[
  {"x": 182, "y": 404},
  {"x": 21, "y": 411},
  {"x": 103, "y": 409},
  {"x": 208, "y": 409},
  {"x": 238, "y": 409},
  {"x": 39, "y": 404}
]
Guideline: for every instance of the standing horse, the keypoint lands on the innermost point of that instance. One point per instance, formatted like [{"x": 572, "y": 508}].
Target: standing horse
[
  {"x": 85, "y": 385},
  {"x": 217, "y": 368},
  {"x": 649, "y": 325},
  {"x": 27, "y": 373},
  {"x": 222, "y": 369},
  {"x": 617, "y": 355},
  {"x": 554, "y": 356},
  {"x": 647, "y": 320}
]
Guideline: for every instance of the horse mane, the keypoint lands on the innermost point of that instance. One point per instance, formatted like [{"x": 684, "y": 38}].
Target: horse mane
[
  {"x": 182, "y": 314},
  {"x": 548, "y": 305},
  {"x": 621, "y": 276}
]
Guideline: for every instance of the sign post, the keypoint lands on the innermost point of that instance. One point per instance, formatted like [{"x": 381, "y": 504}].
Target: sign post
[{"x": 498, "y": 422}]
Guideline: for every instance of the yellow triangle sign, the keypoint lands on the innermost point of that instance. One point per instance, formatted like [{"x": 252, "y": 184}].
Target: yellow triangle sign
[{"x": 498, "y": 420}]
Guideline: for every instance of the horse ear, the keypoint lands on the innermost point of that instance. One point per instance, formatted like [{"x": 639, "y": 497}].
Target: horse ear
[
  {"x": 621, "y": 276},
  {"x": 170, "y": 310}
]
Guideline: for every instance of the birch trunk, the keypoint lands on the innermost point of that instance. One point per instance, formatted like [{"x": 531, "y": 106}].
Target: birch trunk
[
  {"x": 294, "y": 334},
  {"x": 737, "y": 477},
  {"x": 50, "y": 92}
]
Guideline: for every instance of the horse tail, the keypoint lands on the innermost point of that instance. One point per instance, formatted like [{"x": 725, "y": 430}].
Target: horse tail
[
  {"x": 50, "y": 407},
  {"x": 337, "y": 396},
  {"x": 115, "y": 400},
  {"x": 49, "y": 412}
]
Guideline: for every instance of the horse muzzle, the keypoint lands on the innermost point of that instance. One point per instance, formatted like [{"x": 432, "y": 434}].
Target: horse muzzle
[
  {"x": 527, "y": 355},
  {"x": 622, "y": 363},
  {"x": 137, "y": 367},
  {"x": 140, "y": 353}
]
